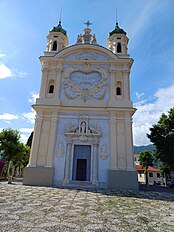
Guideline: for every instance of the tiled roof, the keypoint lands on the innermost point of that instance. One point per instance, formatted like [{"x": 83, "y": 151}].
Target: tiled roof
[
  {"x": 136, "y": 154},
  {"x": 150, "y": 169}
]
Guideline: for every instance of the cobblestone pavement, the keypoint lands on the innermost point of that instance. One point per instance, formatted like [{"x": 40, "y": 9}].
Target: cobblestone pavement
[{"x": 41, "y": 209}]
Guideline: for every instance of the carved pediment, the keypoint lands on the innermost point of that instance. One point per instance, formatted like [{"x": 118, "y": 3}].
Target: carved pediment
[{"x": 83, "y": 131}]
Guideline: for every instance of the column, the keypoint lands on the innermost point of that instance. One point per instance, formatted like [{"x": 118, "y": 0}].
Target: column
[
  {"x": 36, "y": 139},
  {"x": 67, "y": 162},
  {"x": 43, "y": 87},
  {"x": 113, "y": 165},
  {"x": 52, "y": 139},
  {"x": 95, "y": 165}
]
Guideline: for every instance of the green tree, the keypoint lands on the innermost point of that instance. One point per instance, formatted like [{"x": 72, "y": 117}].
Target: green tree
[
  {"x": 164, "y": 169},
  {"x": 162, "y": 136},
  {"x": 146, "y": 160},
  {"x": 9, "y": 141},
  {"x": 15, "y": 153},
  {"x": 29, "y": 141},
  {"x": 20, "y": 160}
]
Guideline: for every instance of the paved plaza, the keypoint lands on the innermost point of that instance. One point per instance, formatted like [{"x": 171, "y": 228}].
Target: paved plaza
[{"x": 41, "y": 209}]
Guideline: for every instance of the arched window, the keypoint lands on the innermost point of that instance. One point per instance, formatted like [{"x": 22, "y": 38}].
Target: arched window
[
  {"x": 55, "y": 46},
  {"x": 118, "y": 91},
  {"x": 118, "y": 47},
  {"x": 118, "y": 88},
  {"x": 51, "y": 89}
]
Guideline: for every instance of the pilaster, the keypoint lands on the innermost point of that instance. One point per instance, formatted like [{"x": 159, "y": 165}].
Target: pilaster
[
  {"x": 52, "y": 139},
  {"x": 112, "y": 84},
  {"x": 36, "y": 139},
  {"x": 126, "y": 86},
  {"x": 113, "y": 165},
  {"x": 129, "y": 143},
  {"x": 95, "y": 165},
  {"x": 58, "y": 81},
  {"x": 43, "y": 86},
  {"x": 67, "y": 162}
]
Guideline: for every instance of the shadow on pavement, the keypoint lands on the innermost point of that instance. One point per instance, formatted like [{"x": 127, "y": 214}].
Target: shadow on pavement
[{"x": 163, "y": 193}]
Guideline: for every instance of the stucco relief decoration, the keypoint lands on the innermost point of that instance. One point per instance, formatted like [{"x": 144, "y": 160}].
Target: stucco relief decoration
[
  {"x": 83, "y": 56},
  {"x": 104, "y": 152},
  {"x": 60, "y": 150},
  {"x": 85, "y": 83},
  {"x": 83, "y": 131}
]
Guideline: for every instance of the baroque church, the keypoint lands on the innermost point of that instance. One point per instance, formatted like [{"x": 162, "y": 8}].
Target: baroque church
[{"x": 83, "y": 126}]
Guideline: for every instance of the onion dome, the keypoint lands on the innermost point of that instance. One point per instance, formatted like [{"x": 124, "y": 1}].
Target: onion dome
[
  {"x": 58, "y": 29},
  {"x": 117, "y": 30}
]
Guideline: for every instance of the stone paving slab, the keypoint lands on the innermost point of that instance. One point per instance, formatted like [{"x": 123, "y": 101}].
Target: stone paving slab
[{"x": 43, "y": 209}]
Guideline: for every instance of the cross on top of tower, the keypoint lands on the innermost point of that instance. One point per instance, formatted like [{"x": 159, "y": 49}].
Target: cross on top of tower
[{"x": 88, "y": 24}]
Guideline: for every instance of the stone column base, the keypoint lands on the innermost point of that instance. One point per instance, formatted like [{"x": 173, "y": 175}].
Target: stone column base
[
  {"x": 40, "y": 176},
  {"x": 123, "y": 180}
]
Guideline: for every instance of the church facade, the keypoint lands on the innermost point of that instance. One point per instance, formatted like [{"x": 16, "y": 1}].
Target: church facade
[{"x": 83, "y": 127}]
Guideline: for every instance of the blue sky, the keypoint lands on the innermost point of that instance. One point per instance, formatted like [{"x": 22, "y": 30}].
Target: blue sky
[{"x": 24, "y": 25}]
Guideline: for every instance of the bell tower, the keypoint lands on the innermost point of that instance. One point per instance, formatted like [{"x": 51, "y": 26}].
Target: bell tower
[
  {"x": 57, "y": 39},
  {"x": 118, "y": 41}
]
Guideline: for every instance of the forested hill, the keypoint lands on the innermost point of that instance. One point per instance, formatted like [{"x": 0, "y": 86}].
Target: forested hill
[{"x": 138, "y": 149}]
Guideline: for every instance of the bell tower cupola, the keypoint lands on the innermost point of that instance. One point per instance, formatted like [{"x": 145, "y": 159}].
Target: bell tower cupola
[
  {"x": 57, "y": 39},
  {"x": 118, "y": 41}
]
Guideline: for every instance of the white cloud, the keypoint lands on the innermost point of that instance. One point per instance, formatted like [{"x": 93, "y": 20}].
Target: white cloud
[
  {"x": 21, "y": 74},
  {"x": 2, "y": 55},
  {"x": 8, "y": 117},
  {"x": 25, "y": 133},
  {"x": 30, "y": 116},
  {"x": 26, "y": 130},
  {"x": 148, "y": 114},
  {"x": 5, "y": 72},
  {"x": 24, "y": 138},
  {"x": 32, "y": 100},
  {"x": 139, "y": 95}
]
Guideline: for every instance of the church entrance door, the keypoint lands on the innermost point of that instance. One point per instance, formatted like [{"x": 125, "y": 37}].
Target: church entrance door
[
  {"x": 81, "y": 169},
  {"x": 81, "y": 163}
]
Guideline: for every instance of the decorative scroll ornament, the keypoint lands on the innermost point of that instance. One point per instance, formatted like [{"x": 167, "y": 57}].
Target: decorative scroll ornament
[
  {"x": 60, "y": 151},
  {"x": 85, "y": 83},
  {"x": 103, "y": 152}
]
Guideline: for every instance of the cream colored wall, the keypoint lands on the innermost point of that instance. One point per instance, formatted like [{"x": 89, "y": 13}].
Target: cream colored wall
[{"x": 119, "y": 108}]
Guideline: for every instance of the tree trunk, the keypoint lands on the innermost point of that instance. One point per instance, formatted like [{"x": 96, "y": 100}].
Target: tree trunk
[
  {"x": 8, "y": 168},
  {"x": 8, "y": 173},
  {"x": 17, "y": 171},
  {"x": 13, "y": 171},
  {"x": 146, "y": 177}
]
